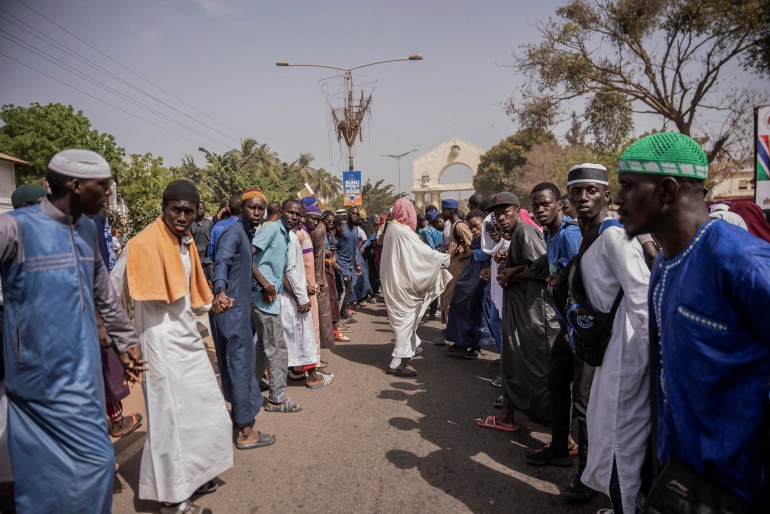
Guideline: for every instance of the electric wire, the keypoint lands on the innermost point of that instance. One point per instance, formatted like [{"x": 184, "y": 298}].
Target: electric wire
[
  {"x": 48, "y": 57},
  {"x": 99, "y": 99},
  {"x": 128, "y": 69},
  {"x": 85, "y": 60}
]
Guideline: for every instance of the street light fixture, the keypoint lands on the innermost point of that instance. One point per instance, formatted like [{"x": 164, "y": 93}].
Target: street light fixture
[
  {"x": 348, "y": 120},
  {"x": 398, "y": 160}
]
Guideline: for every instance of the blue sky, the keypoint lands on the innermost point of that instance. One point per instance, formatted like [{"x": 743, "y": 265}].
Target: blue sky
[{"x": 219, "y": 56}]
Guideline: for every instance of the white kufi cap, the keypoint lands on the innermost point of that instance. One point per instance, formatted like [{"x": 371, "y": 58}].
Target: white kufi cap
[{"x": 83, "y": 164}]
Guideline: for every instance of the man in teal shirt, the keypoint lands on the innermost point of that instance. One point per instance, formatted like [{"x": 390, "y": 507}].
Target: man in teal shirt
[{"x": 271, "y": 244}]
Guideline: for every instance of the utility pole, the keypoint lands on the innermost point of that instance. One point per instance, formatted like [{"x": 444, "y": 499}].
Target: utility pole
[
  {"x": 398, "y": 160},
  {"x": 348, "y": 119}
]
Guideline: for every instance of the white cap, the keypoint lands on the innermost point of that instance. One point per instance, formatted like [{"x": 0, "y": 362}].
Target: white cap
[{"x": 78, "y": 163}]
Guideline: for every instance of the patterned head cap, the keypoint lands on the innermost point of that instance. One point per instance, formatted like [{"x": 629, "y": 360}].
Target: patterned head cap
[
  {"x": 669, "y": 154},
  {"x": 588, "y": 173}
]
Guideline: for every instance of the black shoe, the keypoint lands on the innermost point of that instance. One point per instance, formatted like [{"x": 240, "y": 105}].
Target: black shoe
[
  {"x": 431, "y": 317},
  {"x": 548, "y": 456},
  {"x": 576, "y": 490}
]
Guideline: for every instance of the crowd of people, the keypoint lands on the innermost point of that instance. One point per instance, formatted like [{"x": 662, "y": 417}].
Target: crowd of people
[{"x": 643, "y": 322}]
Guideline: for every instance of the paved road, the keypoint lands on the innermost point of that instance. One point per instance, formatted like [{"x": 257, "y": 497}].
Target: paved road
[{"x": 372, "y": 443}]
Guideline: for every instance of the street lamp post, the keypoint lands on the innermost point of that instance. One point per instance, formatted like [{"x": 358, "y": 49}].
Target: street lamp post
[
  {"x": 349, "y": 119},
  {"x": 398, "y": 160}
]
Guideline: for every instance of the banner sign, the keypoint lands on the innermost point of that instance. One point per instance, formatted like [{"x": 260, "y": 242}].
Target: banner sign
[
  {"x": 762, "y": 156},
  {"x": 351, "y": 183}
]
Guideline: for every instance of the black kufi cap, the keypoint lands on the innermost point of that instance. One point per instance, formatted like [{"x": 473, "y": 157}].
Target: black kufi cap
[{"x": 182, "y": 190}]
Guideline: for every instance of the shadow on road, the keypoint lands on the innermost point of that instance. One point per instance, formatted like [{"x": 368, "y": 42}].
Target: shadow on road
[{"x": 482, "y": 468}]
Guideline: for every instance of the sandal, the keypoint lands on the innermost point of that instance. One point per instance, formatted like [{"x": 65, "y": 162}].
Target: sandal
[
  {"x": 402, "y": 371},
  {"x": 186, "y": 507},
  {"x": 208, "y": 487},
  {"x": 296, "y": 375},
  {"x": 127, "y": 428},
  {"x": 263, "y": 440},
  {"x": 325, "y": 381},
  {"x": 321, "y": 365},
  {"x": 286, "y": 406},
  {"x": 491, "y": 422}
]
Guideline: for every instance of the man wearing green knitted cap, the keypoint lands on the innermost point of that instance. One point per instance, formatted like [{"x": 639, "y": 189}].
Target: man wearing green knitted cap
[{"x": 709, "y": 342}]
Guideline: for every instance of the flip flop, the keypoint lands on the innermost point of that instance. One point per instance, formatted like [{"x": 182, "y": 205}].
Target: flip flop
[
  {"x": 491, "y": 422},
  {"x": 264, "y": 440},
  {"x": 341, "y": 339},
  {"x": 124, "y": 432}
]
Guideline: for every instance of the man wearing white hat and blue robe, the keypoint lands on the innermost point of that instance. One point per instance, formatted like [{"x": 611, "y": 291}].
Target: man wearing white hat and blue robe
[{"x": 53, "y": 282}]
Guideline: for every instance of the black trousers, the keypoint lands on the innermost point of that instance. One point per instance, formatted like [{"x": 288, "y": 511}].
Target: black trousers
[
  {"x": 433, "y": 307},
  {"x": 569, "y": 384}
]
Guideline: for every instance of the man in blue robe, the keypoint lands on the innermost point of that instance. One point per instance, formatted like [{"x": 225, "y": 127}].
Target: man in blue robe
[
  {"x": 465, "y": 319},
  {"x": 53, "y": 281},
  {"x": 234, "y": 207},
  {"x": 709, "y": 343},
  {"x": 346, "y": 253},
  {"x": 231, "y": 314}
]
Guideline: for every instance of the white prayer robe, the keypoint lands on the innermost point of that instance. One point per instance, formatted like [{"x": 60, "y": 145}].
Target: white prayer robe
[
  {"x": 412, "y": 275},
  {"x": 618, "y": 414},
  {"x": 298, "y": 329},
  {"x": 189, "y": 431},
  {"x": 489, "y": 247}
]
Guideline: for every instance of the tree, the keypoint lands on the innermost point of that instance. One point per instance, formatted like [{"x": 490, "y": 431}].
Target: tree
[
  {"x": 661, "y": 57},
  {"x": 500, "y": 166},
  {"x": 141, "y": 190},
  {"x": 378, "y": 198},
  {"x": 37, "y": 132}
]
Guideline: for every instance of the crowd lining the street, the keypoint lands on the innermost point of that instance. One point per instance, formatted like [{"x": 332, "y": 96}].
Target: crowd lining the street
[{"x": 645, "y": 323}]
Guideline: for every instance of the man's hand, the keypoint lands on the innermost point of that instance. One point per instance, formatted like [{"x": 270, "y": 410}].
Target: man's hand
[
  {"x": 304, "y": 307},
  {"x": 269, "y": 293},
  {"x": 504, "y": 276},
  {"x": 486, "y": 274},
  {"x": 221, "y": 303},
  {"x": 500, "y": 256},
  {"x": 133, "y": 365}
]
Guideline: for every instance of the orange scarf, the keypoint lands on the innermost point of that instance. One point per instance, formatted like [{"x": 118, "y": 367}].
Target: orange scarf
[{"x": 155, "y": 271}]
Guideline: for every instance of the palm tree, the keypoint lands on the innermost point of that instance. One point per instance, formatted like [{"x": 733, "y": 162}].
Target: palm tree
[{"x": 326, "y": 185}]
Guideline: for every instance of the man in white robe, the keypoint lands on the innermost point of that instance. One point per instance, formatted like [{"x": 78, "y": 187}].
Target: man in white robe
[
  {"x": 189, "y": 436},
  {"x": 618, "y": 416},
  {"x": 412, "y": 276},
  {"x": 297, "y": 319}
]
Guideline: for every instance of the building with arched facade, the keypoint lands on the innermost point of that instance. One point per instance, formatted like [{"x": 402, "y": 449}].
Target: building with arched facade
[{"x": 428, "y": 168}]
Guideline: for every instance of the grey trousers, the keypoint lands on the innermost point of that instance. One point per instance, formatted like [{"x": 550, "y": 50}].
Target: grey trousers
[{"x": 271, "y": 351}]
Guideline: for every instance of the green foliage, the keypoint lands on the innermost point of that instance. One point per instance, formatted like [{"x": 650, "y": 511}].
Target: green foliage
[
  {"x": 37, "y": 132},
  {"x": 499, "y": 168},
  {"x": 251, "y": 165},
  {"x": 141, "y": 190},
  {"x": 661, "y": 57},
  {"x": 378, "y": 197}
]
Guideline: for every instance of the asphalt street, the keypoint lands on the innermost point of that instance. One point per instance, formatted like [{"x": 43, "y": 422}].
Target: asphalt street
[{"x": 374, "y": 443}]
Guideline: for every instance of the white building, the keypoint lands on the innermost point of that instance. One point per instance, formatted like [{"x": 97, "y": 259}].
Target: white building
[{"x": 8, "y": 180}]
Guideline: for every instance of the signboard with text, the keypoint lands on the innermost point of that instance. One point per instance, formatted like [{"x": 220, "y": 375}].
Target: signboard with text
[
  {"x": 762, "y": 156},
  {"x": 351, "y": 183}
]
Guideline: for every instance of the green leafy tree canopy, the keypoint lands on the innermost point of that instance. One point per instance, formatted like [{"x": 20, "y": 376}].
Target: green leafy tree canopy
[
  {"x": 668, "y": 58},
  {"x": 37, "y": 132}
]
